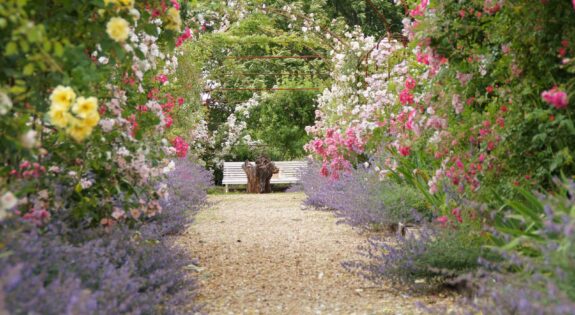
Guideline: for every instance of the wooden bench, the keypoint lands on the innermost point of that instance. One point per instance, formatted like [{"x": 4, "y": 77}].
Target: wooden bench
[{"x": 289, "y": 173}]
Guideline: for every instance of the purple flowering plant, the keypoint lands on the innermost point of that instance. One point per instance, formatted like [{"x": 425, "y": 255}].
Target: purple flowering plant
[{"x": 61, "y": 269}]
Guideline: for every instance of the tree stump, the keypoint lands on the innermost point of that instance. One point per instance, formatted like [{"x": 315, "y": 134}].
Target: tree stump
[
  {"x": 253, "y": 183},
  {"x": 260, "y": 175},
  {"x": 265, "y": 170}
]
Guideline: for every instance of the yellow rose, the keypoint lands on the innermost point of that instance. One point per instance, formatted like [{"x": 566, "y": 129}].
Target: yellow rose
[
  {"x": 62, "y": 96},
  {"x": 128, "y": 4},
  {"x": 123, "y": 4},
  {"x": 78, "y": 130},
  {"x": 91, "y": 119},
  {"x": 118, "y": 29},
  {"x": 59, "y": 116},
  {"x": 84, "y": 106},
  {"x": 174, "y": 21}
]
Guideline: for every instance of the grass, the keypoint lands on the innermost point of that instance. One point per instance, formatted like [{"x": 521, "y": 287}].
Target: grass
[{"x": 241, "y": 189}]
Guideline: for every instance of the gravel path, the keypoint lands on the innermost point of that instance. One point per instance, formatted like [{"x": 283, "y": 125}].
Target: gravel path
[{"x": 261, "y": 254}]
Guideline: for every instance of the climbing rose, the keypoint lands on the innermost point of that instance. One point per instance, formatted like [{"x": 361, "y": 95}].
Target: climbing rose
[
  {"x": 556, "y": 98},
  {"x": 169, "y": 121},
  {"x": 410, "y": 83},
  {"x": 405, "y": 151},
  {"x": 162, "y": 78},
  {"x": 118, "y": 29},
  {"x": 405, "y": 97},
  {"x": 181, "y": 147}
]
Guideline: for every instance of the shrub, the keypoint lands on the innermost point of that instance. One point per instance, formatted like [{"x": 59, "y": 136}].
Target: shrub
[
  {"x": 187, "y": 185},
  {"x": 429, "y": 253},
  {"x": 105, "y": 271},
  {"x": 361, "y": 198}
]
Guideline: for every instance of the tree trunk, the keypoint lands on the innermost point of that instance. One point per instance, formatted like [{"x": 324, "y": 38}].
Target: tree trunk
[{"x": 253, "y": 184}]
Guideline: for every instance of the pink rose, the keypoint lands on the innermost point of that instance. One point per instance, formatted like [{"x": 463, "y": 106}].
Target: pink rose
[
  {"x": 405, "y": 151},
  {"x": 410, "y": 83},
  {"x": 442, "y": 219},
  {"x": 405, "y": 97},
  {"x": 556, "y": 98}
]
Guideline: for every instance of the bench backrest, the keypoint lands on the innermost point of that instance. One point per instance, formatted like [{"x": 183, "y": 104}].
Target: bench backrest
[{"x": 289, "y": 172}]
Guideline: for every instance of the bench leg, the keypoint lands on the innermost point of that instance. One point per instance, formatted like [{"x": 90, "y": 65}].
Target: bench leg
[{"x": 227, "y": 189}]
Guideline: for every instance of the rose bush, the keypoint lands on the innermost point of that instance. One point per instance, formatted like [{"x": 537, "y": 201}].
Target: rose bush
[
  {"x": 467, "y": 113},
  {"x": 85, "y": 109}
]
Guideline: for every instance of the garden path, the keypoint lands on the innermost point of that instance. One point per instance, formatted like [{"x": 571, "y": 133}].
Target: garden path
[{"x": 261, "y": 254}]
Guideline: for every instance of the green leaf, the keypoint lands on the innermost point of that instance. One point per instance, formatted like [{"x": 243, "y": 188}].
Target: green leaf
[
  {"x": 17, "y": 89},
  {"x": 58, "y": 49},
  {"x": 47, "y": 45},
  {"x": 25, "y": 46},
  {"x": 11, "y": 49},
  {"x": 28, "y": 69},
  {"x": 514, "y": 243}
]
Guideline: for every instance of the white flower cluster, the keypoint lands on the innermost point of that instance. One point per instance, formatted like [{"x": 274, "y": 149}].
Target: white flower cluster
[{"x": 7, "y": 202}]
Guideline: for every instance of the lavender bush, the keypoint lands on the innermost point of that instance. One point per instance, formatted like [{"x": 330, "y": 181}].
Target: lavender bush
[
  {"x": 59, "y": 270},
  {"x": 362, "y": 199},
  {"x": 538, "y": 274},
  {"x": 428, "y": 254}
]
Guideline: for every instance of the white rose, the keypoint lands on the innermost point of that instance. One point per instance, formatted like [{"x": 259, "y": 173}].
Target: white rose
[
  {"x": 28, "y": 139},
  {"x": 8, "y": 201},
  {"x": 103, "y": 60},
  {"x": 168, "y": 169},
  {"x": 107, "y": 124},
  {"x": 135, "y": 13}
]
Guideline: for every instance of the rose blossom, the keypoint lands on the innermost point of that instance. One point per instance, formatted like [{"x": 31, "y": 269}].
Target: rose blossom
[{"x": 556, "y": 98}]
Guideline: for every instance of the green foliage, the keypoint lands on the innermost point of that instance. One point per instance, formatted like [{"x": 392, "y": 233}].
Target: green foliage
[
  {"x": 370, "y": 19},
  {"x": 401, "y": 202},
  {"x": 277, "y": 122},
  {"x": 280, "y": 121},
  {"x": 454, "y": 252}
]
